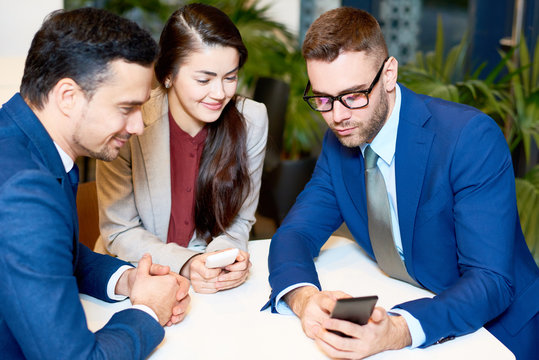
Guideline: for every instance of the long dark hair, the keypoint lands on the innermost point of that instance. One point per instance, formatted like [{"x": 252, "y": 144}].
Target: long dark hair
[{"x": 223, "y": 178}]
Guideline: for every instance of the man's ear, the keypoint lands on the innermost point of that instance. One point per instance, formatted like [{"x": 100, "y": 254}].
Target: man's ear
[
  {"x": 390, "y": 74},
  {"x": 67, "y": 95}
]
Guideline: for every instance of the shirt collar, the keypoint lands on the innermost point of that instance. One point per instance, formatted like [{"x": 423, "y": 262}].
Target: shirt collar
[
  {"x": 385, "y": 141},
  {"x": 66, "y": 159}
]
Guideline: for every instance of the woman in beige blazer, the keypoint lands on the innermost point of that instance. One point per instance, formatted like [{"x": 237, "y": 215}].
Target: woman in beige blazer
[{"x": 201, "y": 52}]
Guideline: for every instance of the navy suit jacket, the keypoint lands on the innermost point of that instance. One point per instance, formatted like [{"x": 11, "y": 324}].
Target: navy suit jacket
[
  {"x": 42, "y": 265},
  {"x": 458, "y": 219}
]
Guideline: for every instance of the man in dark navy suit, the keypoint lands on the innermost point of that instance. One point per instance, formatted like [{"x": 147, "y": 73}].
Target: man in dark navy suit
[
  {"x": 434, "y": 204},
  {"x": 86, "y": 76}
]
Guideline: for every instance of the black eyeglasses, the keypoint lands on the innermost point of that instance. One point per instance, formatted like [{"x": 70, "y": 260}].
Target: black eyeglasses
[{"x": 352, "y": 100}]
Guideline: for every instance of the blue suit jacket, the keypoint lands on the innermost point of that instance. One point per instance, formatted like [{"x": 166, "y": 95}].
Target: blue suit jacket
[
  {"x": 42, "y": 265},
  {"x": 458, "y": 219}
]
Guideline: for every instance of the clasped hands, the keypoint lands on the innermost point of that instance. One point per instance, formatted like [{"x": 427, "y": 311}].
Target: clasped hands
[
  {"x": 154, "y": 285},
  {"x": 382, "y": 332},
  {"x": 207, "y": 281}
]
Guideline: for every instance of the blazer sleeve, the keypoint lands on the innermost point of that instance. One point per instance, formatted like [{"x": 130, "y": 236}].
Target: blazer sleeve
[
  {"x": 39, "y": 300},
  {"x": 309, "y": 223},
  {"x": 237, "y": 234},
  {"x": 123, "y": 232}
]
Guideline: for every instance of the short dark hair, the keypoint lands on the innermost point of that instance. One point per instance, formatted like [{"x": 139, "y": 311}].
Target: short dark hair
[
  {"x": 343, "y": 29},
  {"x": 80, "y": 44}
]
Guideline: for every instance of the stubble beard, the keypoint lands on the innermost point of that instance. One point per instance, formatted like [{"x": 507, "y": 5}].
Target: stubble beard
[
  {"x": 106, "y": 153},
  {"x": 365, "y": 131}
]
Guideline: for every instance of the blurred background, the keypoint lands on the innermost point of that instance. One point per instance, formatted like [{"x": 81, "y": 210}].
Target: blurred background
[{"x": 478, "y": 52}]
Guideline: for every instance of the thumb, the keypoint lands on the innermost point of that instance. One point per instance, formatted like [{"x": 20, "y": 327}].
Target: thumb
[
  {"x": 378, "y": 314},
  {"x": 144, "y": 265}
]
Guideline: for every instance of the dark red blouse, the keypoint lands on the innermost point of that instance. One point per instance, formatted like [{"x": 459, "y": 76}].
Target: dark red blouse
[{"x": 185, "y": 154}]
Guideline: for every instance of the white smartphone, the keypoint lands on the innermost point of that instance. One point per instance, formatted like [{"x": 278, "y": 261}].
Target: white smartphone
[{"x": 222, "y": 258}]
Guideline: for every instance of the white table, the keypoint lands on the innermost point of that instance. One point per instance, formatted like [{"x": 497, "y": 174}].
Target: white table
[{"x": 229, "y": 324}]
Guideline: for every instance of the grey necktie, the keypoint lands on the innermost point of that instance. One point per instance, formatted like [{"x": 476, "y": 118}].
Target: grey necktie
[{"x": 380, "y": 229}]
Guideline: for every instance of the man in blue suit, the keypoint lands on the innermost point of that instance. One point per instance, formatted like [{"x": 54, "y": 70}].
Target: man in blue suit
[
  {"x": 86, "y": 76},
  {"x": 449, "y": 184}
]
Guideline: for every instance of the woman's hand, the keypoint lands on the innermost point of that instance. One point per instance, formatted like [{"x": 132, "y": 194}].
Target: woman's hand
[{"x": 206, "y": 281}]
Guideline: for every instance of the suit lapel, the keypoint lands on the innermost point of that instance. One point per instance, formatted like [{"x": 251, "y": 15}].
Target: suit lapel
[
  {"x": 411, "y": 156},
  {"x": 155, "y": 150},
  {"x": 44, "y": 146}
]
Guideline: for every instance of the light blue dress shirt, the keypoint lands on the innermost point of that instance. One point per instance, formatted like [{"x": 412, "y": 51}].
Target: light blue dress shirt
[{"x": 384, "y": 145}]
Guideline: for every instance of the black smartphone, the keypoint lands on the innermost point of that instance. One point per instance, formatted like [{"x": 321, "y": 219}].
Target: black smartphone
[{"x": 357, "y": 310}]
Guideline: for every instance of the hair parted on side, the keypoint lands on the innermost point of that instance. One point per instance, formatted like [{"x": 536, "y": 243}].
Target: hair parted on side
[
  {"x": 343, "y": 29},
  {"x": 79, "y": 44},
  {"x": 187, "y": 29},
  {"x": 223, "y": 180}
]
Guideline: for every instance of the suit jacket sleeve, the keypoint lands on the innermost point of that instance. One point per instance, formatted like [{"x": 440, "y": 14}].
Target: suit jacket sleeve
[
  {"x": 307, "y": 226},
  {"x": 40, "y": 302}
]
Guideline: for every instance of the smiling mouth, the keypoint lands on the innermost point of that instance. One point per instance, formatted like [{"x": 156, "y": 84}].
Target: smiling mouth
[
  {"x": 215, "y": 106},
  {"x": 120, "y": 141}
]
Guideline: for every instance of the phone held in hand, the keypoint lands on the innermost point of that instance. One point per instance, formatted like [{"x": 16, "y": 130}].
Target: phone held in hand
[
  {"x": 222, "y": 259},
  {"x": 357, "y": 310}
]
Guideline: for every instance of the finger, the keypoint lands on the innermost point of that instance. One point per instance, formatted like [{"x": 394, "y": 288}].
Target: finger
[
  {"x": 232, "y": 275},
  {"x": 144, "y": 265},
  {"x": 229, "y": 284},
  {"x": 326, "y": 302},
  {"x": 238, "y": 266},
  {"x": 343, "y": 327},
  {"x": 200, "y": 268},
  {"x": 205, "y": 290},
  {"x": 332, "y": 351},
  {"x": 378, "y": 314},
  {"x": 181, "y": 307},
  {"x": 158, "y": 269},
  {"x": 183, "y": 291}
]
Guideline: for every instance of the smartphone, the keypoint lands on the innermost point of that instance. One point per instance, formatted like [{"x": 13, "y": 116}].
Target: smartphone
[
  {"x": 357, "y": 310},
  {"x": 222, "y": 259}
]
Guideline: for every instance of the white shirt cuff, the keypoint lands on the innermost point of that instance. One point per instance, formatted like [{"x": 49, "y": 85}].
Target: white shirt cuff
[
  {"x": 111, "y": 286},
  {"x": 280, "y": 305},
  {"x": 416, "y": 330},
  {"x": 146, "y": 309}
]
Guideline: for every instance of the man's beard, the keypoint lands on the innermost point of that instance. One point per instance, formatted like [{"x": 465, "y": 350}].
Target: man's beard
[
  {"x": 106, "y": 153},
  {"x": 365, "y": 131}
]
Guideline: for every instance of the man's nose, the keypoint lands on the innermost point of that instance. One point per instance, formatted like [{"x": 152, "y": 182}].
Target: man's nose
[
  {"x": 340, "y": 112},
  {"x": 135, "y": 124}
]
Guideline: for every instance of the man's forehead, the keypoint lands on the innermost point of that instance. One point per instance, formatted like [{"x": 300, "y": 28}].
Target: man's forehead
[{"x": 348, "y": 72}]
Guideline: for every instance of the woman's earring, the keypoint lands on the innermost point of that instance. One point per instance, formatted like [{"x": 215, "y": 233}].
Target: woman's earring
[{"x": 167, "y": 84}]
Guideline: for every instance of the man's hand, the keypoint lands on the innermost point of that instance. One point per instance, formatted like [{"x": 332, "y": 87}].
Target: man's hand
[
  {"x": 207, "y": 281},
  {"x": 163, "y": 293},
  {"x": 312, "y": 306},
  {"x": 382, "y": 332},
  {"x": 183, "y": 299}
]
